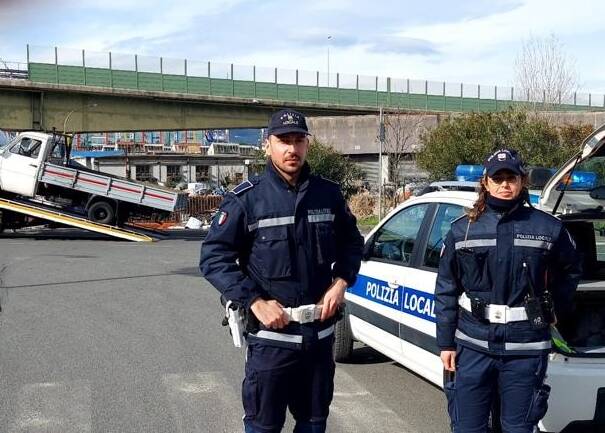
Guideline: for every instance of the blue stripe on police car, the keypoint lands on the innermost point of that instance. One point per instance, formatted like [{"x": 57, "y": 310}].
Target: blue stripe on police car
[{"x": 411, "y": 301}]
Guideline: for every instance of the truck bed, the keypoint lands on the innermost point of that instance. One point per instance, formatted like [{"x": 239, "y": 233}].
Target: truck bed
[{"x": 112, "y": 187}]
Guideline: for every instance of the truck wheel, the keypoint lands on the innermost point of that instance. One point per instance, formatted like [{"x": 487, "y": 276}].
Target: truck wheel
[
  {"x": 343, "y": 340},
  {"x": 101, "y": 212}
]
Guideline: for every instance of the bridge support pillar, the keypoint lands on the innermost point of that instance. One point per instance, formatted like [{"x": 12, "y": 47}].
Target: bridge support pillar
[{"x": 37, "y": 110}]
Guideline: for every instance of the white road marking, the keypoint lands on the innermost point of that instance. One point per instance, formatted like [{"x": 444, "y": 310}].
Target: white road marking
[
  {"x": 63, "y": 407},
  {"x": 203, "y": 403},
  {"x": 354, "y": 409}
]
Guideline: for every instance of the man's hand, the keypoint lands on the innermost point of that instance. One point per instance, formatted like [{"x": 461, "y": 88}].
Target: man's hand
[
  {"x": 448, "y": 357},
  {"x": 334, "y": 296},
  {"x": 270, "y": 313}
]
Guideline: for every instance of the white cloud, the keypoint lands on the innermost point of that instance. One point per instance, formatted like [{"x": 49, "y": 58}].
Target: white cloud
[{"x": 537, "y": 17}]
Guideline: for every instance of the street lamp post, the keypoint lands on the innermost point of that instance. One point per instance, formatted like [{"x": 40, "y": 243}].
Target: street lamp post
[
  {"x": 69, "y": 115},
  {"x": 66, "y": 119},
  {"x": 329, "y": 38},
  {"x": 381, "y": 138}
]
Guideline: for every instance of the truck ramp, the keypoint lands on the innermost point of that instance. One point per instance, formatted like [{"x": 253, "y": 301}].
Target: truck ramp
[{"x": 65, "y": 218}]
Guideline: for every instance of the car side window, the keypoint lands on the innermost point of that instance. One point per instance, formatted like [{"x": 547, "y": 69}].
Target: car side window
[
  {"x": 446, "y": 213},
  {"x": 27, "y": 147},
  {"x": 395, "y": 240}
]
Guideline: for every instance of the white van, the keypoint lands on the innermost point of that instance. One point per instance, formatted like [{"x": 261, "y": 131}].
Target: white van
[{"x": 391, "y": 306}]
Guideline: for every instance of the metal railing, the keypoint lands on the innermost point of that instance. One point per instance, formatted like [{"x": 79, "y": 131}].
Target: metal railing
[
  {"x": 13, "y": 70},
  {"x": 80, "y": 67}
]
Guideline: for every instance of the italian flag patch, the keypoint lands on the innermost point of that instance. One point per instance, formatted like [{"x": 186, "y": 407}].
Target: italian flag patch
[{"x": 221, "y": 218}]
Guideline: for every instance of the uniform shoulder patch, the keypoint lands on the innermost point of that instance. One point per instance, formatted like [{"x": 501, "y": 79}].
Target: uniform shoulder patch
[{"x": 244, "y": 186}]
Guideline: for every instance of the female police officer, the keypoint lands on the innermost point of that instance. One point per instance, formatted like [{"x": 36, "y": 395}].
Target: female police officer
[{"x": 503, "y": 266}]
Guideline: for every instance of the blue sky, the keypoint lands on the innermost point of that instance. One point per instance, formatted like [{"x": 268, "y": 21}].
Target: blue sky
[{"x": 470, "y": 41}]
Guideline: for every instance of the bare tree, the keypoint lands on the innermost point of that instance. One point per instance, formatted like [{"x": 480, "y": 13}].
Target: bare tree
[
  {"x": 544, "y": 72},
  {"x": 402, "y": 137}
]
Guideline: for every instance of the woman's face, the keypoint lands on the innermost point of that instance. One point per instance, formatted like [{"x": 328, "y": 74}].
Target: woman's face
[{"x": 505, "y": 185}]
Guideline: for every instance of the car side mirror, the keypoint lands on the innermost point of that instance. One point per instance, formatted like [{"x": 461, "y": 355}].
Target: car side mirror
[{"x": 367, "y": 249}]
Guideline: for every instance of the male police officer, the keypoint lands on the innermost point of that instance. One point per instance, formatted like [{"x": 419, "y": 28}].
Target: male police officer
[{"x": 285, "y": 247}]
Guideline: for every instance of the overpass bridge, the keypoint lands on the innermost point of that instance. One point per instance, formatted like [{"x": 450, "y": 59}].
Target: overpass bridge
[{"x": 84, "y": 94}]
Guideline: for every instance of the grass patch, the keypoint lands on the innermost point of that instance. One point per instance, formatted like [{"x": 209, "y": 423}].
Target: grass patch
[{"x": 370, "y": 221}]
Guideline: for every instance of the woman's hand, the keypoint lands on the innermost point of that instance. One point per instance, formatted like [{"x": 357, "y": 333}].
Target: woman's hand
[{"x": 448, "y": 357}]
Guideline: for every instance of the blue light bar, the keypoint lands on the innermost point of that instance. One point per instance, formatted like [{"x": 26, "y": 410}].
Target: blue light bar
[
  {"x": 469, "y": 173},
  {"x": 580, "y": 181}
]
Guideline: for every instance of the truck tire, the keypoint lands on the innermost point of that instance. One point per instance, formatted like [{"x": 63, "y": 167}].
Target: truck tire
[
  {"x": 343, "y": 340},
  {"x": 102, "y": 212}
]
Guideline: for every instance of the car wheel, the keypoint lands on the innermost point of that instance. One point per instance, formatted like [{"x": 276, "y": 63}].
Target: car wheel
[
  {"x": 343, "y": 339},
  {"x": 101, "y": 212}
]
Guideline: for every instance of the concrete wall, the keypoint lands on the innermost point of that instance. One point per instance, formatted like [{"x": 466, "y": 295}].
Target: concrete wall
[
  {"x": 348, "y": 135},
  {"x": 111, "y": 168},
  {"x": 353, "y": 135},
  {"x": 595, "y": 119},
  {"x": 16, "y": 109},
  {"x": 357, "y": 135}
]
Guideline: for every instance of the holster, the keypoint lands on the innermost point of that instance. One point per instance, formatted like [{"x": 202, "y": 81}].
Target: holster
[
  {"x": 235, "y": 318},
  {"x": 535, "y": 315},
  {"x": 478, "y": 308},
  {"x": 540, "y": 309},
  {"x": 548, "y": 307}
]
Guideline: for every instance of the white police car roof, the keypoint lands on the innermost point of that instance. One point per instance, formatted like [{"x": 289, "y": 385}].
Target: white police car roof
[{"x": 454, "y": 184}]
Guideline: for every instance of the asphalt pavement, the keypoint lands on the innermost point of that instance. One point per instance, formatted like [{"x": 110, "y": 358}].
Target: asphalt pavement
[{"x": 101, "y": 335}]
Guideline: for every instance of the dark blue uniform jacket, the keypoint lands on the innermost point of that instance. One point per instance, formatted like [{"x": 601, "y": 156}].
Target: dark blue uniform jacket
[
  {"x": 489, "y": 265},
  {"x": 275, "y": 241}
]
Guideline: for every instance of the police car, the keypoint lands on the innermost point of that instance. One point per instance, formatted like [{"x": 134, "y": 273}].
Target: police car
[{"x": 391, "y": 306}]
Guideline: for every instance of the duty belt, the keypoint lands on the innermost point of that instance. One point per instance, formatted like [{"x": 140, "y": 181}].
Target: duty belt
[
  {"x": 290, "y": 338},
  {"x": 304, "y": 313},
  {"x": 496, "y": 313}
]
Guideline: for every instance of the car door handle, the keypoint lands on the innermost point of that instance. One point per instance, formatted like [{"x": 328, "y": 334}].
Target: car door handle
[
  {"x": 34, "y": 165},
  {"x": 393, "y": 284}
]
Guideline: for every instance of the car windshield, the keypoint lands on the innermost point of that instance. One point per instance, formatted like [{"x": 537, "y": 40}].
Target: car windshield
[{"x": 5, "y": 141}]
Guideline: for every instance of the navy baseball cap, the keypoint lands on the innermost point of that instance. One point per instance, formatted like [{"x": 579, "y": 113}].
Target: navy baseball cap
[
  {"x": 503, "y": 159},
  {"x": 286, "y": 121}
]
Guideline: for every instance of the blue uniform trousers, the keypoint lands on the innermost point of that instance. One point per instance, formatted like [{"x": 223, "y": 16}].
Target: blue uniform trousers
[
  {"x": 299, "y": 378},
  {"x": 479, "y": 376}
]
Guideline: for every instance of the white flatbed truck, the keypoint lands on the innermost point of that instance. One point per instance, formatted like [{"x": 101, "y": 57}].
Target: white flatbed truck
[{"x": 36, "y": 170}]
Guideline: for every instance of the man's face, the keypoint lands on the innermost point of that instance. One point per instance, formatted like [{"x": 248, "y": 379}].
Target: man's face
[{"x": 288, "y": 151}]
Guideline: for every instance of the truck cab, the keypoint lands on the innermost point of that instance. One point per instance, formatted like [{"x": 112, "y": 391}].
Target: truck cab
[{"x": 22, "y": 158}]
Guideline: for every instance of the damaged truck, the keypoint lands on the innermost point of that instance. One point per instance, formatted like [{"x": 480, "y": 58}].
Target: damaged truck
[{"x": 36, "y": 168}]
